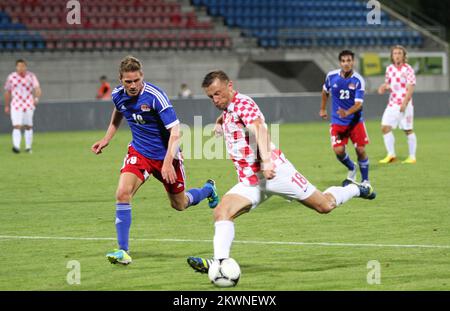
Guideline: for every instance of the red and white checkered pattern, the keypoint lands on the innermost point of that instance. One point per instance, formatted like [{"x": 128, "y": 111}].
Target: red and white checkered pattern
[
  {"x": 240, "y": 113},
  {"x": 398, "y": 78},
  {"x": 21, "y": 89}
]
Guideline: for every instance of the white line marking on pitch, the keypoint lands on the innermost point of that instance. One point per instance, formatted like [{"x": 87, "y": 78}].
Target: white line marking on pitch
[{"x": 10, "y": 237}]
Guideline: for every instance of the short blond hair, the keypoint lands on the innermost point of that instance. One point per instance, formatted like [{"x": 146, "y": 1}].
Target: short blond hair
[
  {"x": 130, "y": 64},
  {"x": 403, "y": 49}
]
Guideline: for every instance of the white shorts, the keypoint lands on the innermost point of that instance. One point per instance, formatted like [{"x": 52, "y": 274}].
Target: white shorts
[
  {"x": 288, "y": 183},
  {"x": 19, "y": 118},
  {"x": 394, "y": 118}
]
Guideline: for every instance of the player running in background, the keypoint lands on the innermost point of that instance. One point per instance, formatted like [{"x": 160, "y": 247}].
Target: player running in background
[
  {"x": 400, "y": 80},
  {"x": 347, "y": 96},
  {"x": 154, "y": 150},
  {"x": 20, "y": 103},
  {"x": 262, "y": 169}
]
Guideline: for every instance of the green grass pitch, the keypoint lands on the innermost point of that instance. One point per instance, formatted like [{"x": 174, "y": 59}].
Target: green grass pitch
[{"x": 62, "y": 193}]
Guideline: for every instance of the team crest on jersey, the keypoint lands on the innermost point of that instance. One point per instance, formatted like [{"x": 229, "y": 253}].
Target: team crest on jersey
[
  {"x": 145, "y": 107},
  {"x": 352, "y": 86}
]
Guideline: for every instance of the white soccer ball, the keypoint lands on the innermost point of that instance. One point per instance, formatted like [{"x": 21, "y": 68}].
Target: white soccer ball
[{"x": 224, "y": 273}]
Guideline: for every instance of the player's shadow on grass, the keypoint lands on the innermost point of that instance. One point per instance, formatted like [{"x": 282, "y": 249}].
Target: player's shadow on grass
[
  {"x": 262, "y": 268},
  {"x": 150, "y": 254}
]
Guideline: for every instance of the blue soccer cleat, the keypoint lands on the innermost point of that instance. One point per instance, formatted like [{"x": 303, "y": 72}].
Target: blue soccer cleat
[
  {"x": 119, "y": 256},
  {"x": 213, "y": 199},
  {"x": 365, "y": 190},
  {"x": 199, "y": 264}
]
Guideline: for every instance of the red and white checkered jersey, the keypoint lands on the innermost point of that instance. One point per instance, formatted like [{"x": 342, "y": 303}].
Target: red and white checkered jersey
[
  {"x": 21, "y": 89},
  {"x": 398, "y": 78},
  {"x": 240, "y": 113}
]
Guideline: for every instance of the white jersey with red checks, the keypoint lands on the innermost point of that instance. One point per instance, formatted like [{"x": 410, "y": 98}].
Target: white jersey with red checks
[
  {"x": 240, "y": 113},
  {"x": 21, "y": 89},
  {"x": 398, "y": 78}
]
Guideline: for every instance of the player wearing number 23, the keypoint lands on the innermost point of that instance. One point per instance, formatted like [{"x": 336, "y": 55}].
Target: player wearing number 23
[{"x": 347, "y": 93}]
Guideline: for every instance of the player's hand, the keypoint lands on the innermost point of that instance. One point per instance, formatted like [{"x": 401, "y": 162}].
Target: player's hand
[
  {"x": 218, "y": 130},
  {"x": 323, "y": 114},
  {"x": 168, "y": 172},
  {"x": 268, "y": 170},
  {"x": 98, "y": 146},
  {"x": 382, "y": 89},
  {"x": 7, "y": 109},
  {"x": 403, "y": 107},
  {"x": 342, "y": 113}
]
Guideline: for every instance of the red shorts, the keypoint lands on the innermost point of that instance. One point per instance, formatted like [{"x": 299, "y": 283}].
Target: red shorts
[
  {"x": 341, "y": 133},
  {"x": 143, "y": 167}
]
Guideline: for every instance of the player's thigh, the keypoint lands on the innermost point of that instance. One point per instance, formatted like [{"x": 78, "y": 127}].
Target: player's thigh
[
  {"x": 231, "y": 206},
  {"x": 290, "y": 184},
  {"x": 28, "y": 118},
  {"x": 338, "y": 136},
  {"x": 359, "y": 135},
  {"x": 128, "y": 184},
  {"x": 391, "y": 117},
  {"x": 407, "y": 120},
  {"x": 17, "y": 117}
]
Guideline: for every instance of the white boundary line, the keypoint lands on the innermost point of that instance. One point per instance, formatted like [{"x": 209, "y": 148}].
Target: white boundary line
[{"x": 12, "y": 237}]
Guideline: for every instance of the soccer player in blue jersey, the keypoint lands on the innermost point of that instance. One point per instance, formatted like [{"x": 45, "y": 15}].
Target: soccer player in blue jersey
[
  {"x": 346, "y": 88},
  {"x": 154, "y": 150}
]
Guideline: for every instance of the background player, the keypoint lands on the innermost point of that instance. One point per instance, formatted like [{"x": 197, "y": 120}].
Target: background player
[
  {"x": 347, "y": 95},
  {"x": 154, "y": 150},
  {"x": 400, "y": 80},
  {"x": 22, "y": 92},
  {"x": 263, "y": 170}
]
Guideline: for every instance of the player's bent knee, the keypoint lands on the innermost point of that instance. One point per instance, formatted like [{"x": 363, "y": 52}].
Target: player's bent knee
[
  {"x": 177, "y": 206},
  {"x": 123, "y": 195}
]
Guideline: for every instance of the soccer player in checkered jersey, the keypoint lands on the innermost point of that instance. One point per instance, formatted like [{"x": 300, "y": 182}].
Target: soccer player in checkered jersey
[
  {"x": 22, "y": 92},
  {"x": 262, "y": 169},
  {"x": 400, "y": 80},
  {"x": 347, "y": 88},
  {"x": 154, "y": 150}
]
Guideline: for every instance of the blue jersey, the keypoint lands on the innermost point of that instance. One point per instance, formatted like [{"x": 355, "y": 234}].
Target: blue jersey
[
  {"x": 150, "y": 115},
  {"x": 344, "y": 93}
]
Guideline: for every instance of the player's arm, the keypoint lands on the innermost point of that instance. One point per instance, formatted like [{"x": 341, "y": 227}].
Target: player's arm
[
  {"x": 353, "y": 109},
  {"x": 409, "y": 93},
  {"x": 7, "y": 97},
  {"x": 37, "y": 94},
  {"x": 260, "y": 132},
  {"x": 323, "y": 105},
  {"x": 114, "y": 124},
  {"x": 168, "y": 171},
  {"x": 385, "y": 86}
]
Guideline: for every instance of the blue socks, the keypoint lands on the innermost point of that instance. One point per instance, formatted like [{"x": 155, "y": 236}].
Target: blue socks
[
  {"x": 364, "y": 168},
  {"x": 347, "y": 162},
  {"x": 196, "y": 195},
  {"x": 123, "y": 224}
]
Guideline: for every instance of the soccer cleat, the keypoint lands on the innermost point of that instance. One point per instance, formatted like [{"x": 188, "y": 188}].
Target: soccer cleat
[
  {"x": 29, "y": 150},
  {"x": 366, "y": 191},
  {"x": 388, "y": 159},
  {"x": 15, "y": 150},
  {"x": 409, "y": 160},
  {"x": 119, "y": 256},
  {"x": 213, "y": 199},
  {"x": 199, "y": 264}
]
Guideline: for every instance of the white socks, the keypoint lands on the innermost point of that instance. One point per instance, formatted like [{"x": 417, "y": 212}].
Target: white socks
[
  {"x": 389, "y": 143},
  {"x": 16, "y": 138},
  {"x": 223, "y": 238},
  {"x": 343, "y": 194},
  {"x": 28, "y": 138},
  {"x": 412, "y": 143}
]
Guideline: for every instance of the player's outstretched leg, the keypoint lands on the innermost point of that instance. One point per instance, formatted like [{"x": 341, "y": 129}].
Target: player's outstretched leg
[{"x": 208, "y": 191}]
